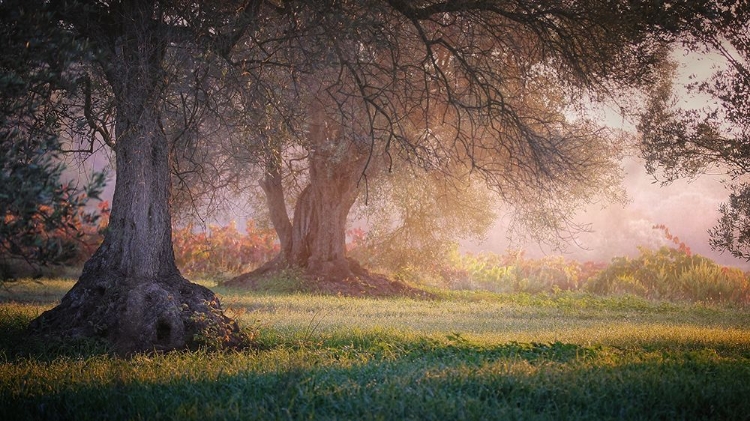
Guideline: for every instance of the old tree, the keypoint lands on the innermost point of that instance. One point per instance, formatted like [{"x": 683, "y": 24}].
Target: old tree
[
  {"x": 130, "y": 291},
  {"x": 458, "y": 87},
  {"x": 447, "y": 89}
]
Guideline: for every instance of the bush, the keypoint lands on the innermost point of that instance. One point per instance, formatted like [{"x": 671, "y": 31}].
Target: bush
[
  {"x": 222, "y": 250},
  {"x": 669, "y": 273},
  {"x": 43, "y": 221},
  {"x": 672, "y": 273},
  {"x": 513, "y": 272}
]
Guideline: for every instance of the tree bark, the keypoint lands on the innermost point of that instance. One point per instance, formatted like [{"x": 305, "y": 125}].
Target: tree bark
[
  {"x": 320, "y": 216},
  {"x": 315, "y": 238},
  {"x": 318, "y": 235},
  {"x": 275, "y": 199},
  {"x": 131, "y": 292}
]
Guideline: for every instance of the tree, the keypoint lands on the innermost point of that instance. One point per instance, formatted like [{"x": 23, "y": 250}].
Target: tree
[
  {"x": 37, "y": 209},
  {"x": 679, "y": 142},
  {"x": 431, "y": 83},
  {"x": 416, "y": 219},
  {"x": 456, "y": 88},
  {"x": 130, "y": 291}
]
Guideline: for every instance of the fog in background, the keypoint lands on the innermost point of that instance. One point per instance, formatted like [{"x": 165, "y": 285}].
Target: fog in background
[{"x": 688, "y": 208}]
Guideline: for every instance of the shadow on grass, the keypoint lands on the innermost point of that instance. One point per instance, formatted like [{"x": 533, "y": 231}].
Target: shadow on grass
[
  {"x": 17, "y": 344},
  {"x": 45, "y": 291},
  {"x": 408, "y": 389},
  {"x": 377, "y": 376}
]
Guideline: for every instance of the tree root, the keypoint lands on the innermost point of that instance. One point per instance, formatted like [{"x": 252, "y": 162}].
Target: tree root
[{"x": 143, "y": 315}]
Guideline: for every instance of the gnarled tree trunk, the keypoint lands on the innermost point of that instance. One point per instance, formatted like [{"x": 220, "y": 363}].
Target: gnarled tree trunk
[
  {"x": 315, "y": 238},
  {"x": 131, "y": 292},
  {"x": 318, "y": 241}
]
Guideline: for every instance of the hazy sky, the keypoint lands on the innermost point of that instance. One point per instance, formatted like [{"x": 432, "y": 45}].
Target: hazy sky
[{"x": 688, "y": 208}]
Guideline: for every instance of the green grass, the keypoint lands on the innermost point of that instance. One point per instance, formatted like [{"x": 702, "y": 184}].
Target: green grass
[{"x": 463, "y": 356}]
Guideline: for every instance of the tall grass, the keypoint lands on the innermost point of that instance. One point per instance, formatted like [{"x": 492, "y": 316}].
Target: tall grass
[
  {"x": 670, "y": 273},
  {"x": 466, "y": 355},
  {"x": 674, "y": 274}
]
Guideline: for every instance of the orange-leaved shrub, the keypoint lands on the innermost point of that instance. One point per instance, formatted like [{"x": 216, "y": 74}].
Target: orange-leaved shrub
[
  {"x": 222, "y": 250},
  {"x": 53, "y": 235}
]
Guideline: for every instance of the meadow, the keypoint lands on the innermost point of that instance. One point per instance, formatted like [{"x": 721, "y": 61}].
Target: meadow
[{"x": 461, "y": 355}]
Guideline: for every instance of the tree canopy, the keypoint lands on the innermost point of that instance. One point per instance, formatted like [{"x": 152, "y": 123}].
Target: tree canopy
[
  {"x": 685, "y": 142},
  {"x": 454, "y": 88}
]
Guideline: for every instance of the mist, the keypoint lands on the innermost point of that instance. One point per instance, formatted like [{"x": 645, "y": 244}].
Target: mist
[{"x": 688, "y": 208}]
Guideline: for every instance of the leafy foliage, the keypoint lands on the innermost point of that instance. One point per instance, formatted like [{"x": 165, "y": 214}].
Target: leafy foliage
[
  {"x": 222, "y": 250},
  {"x": 732, "y": 232},
  {"x": 514, "y": 272},
  {"x": 40, "y": 214},
  {"x": 669, "y": 273},
  {"x": 416, "y": 219},
  {"x": 679, "y": 141},
  {"x": 43, "y": 220},
  {"x": 672, "y": 274}
]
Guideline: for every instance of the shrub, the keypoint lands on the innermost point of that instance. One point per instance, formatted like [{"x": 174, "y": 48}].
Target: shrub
[
  {"x": 222, "y": 250},
  {"x": 513, "y": 272},
  {"x": 672, "y": 273},
  {"x": 64, "y": 233}
]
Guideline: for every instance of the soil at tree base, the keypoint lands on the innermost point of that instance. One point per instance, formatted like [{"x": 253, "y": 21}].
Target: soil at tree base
[
  {"x": 145, "y": 316},
  {"x": 356, "y": 282}
]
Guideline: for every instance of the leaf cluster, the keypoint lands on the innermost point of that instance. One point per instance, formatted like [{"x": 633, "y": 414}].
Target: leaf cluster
[
  {"x": 678, "y": 141},
  {"x": 44, "y": 220},
  {"x": 39, "y": 212}
]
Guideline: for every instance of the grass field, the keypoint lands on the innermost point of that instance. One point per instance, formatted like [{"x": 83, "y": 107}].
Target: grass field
[{"x": 467, "y": 355}]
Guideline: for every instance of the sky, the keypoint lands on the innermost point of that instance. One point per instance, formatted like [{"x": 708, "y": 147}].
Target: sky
[{"x": 688, "y": 208}]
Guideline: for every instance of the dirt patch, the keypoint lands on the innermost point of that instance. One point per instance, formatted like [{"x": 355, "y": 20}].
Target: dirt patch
[
  {"x": 355, "y": 281},
  {"x": 370, "y": 286}
]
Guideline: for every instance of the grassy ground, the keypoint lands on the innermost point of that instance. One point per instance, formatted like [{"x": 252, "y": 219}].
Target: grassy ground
[{"x": 463, "y": 356}]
